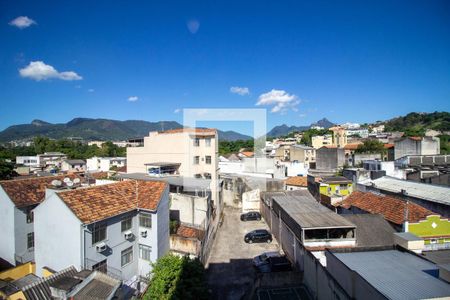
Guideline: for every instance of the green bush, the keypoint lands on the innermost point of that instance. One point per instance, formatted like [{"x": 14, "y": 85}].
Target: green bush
[{"x": 177, "y": 278}]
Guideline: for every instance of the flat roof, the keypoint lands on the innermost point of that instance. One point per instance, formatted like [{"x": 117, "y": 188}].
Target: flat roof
[
  {"x": 408, "y": 236},
  {"x": 307, "y": 212},
  {"x": 162, "y": 164},
  {"x": 429, "y": 192},
  {"x": 396, "y": 274},
  {"x": 189, "y": 183}
]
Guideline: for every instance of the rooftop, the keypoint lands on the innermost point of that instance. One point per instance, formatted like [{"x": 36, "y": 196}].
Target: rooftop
[
  {"x": 433, "y": 193},
  {"x": 371, "y": 230},
  {"x": 303, "y": 147},
  {"x": 395, "y": 274},
  {"x": 97, "y": 203},
  {"x": 352, "y": 146},
  {"x": 393, "y": 209},
  {"x": 188, "y": 183},
  {"x": 29, "y": 191},
  {"x": 336, "y": 179},
  {"x": 162, "y": 164},
  {"x": 297, "y": 181},
  {"x": 208, "y": 131},
  {"x": 75, "y": 161},
  {"x": 307, "y": 212}
]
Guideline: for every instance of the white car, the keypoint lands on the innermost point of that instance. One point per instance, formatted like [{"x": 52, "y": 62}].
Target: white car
[{"x": 262, "y": 259}]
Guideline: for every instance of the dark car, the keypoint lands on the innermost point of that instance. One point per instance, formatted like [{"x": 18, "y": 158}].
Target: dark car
[
  {"x": 251, "y": 216},
  {"x": 258, "y": 236},
  {"x": 275, "y": 264},
  {"x": 263, "y": 258}
]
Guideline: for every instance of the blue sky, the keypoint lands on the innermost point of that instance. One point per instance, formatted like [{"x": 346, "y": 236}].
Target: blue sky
[{"x": 344, "y": 60}]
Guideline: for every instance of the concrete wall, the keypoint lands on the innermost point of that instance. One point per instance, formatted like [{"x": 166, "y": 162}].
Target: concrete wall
[
  {"x": 57, "y": 234},
  {"x": 162, "y": 222},
  {"x": 191, "y": 209},
  {"x": 329, "y": 158},
  {"x": 21, "y": 230},
  {"x": 7, "y": 245},
  {"x": 250, "y": 201},
  {"x": 426, "y": 146}
]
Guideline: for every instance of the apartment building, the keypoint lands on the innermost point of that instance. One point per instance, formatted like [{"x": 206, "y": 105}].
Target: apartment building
[
  {"x": 47, "y": 160},
  {"x": 339, "y": 136},
  {"x": 416, "y": 146},
  {"x": 187, "y": 153},
  {"x": 104, "y": 164},
  {"x": 319, "y": 141},
  {"x": 73, "y": 165},
  {"x": 18, "y": 198},
  {"x": 296, "y": 153},
  {"x": 117, "y": 228}
]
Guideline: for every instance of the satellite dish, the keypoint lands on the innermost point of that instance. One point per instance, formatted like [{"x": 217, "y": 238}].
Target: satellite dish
[
  {"x": 66, "y": 180},
  {"x": 56, "y": 183},
  {"x": 76, "y": 180},
  {"x": 69, "y": 183}
]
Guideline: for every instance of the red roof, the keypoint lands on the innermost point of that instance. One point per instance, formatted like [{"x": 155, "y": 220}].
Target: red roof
[
  {"x": 352, "y": 146},
  {"x": 104, "y": 201},
  {"x": 190, "y": 232},
  {"x": 297, "y": 181},
  {"x": 393, "y": 209},
  {"x": 388, "y": 146},
  {"x": 29, "y": 191}
]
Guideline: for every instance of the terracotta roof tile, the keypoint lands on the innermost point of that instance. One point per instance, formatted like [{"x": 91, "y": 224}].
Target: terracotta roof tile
[
  {"x": 388, "y": 146},
  {"x": 104, "y": 201},
  {"x": 29, "y": 191},
  {"x": 122, "y": 169},
  {"x": 297, "y": 181},
  {"x": 352, "y": 146},
  {"x": 190, "y": 130},
  {"x": 190, "y": 232},
  {"x": 99, "y": 175},
  {"x": 393, "y": 209},
  {"x": 247, "y": 153}
]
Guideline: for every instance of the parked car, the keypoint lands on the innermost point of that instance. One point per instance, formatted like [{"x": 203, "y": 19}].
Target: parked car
[
  {"x": 263, "y": 258},
  {"x": 251, "y": 216},
  {"x": 258, "y": 236},
  {"x": 275, "y": 264}
]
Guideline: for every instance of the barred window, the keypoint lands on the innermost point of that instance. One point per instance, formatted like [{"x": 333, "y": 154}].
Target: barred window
[
  {"x": 208, "y": 159},
  {"x": 98, "y": 233},
  {"x": 126, "y": 224},
  {"x": 144, "y": 252},
  {"x": 127, "y": 256},
  {"x": 145, "y": 220},
  {"x": 30, "y": 240}
]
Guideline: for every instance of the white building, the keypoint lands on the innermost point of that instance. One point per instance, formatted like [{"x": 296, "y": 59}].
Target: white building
[
  {"x": 18, "y": 198},
  {"x": 104, "y": 164},
  {"x": 73, "y": 165},
  {"x": 189, "y": 153},
  {"x": 48, "y": 160},
  {"x": 121, "y": 229}
]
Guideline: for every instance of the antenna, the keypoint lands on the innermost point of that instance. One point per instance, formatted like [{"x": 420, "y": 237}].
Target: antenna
[
  {"x": 56, "y": 183},
  {"x": 76, "y": 180},
  {"x": 66, "y": 180},
  {"x": 69, "y": 183}
]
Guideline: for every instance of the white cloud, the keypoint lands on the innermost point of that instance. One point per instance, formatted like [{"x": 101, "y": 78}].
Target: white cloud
[
  {"x": 193, "y": 26},
  {"x": 239, "y": 90},
  {"x": 91, "y": 90},
  {"x": 38, "y": 70},
  {"x": 22, "y": 22},
  {"x": 281, "y": 100},
  {"x": 133, "y": 98},
  {"x": 177, "y": 110}
]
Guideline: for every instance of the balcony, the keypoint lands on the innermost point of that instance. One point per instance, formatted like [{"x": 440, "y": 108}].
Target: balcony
[{"x": 101, "y": 266}]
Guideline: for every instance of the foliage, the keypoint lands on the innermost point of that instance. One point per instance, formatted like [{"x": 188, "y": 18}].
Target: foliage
[
  {"x": 175, "y": 277},
  {"x": 415, "y": 124},
  {"x": 371, "y": 146},
  {"x": 308, "y": 134},
  {"x": 6, "y": 170},
  {"x": 73, "y": 149},
  {"x": 227, "y": 147},
  {"x": 445, "y": 143}
]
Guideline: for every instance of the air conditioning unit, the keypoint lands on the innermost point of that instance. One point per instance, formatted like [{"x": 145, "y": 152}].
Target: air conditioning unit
[
  {"x": 128, "y": 234},
  {"x": 144, "y": 233},
  {"x": 100, "y": 247}
]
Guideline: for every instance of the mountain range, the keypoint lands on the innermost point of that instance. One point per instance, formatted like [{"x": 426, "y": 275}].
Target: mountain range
[
  {"x": 98, "y": 129},
  {"x": 282, "y": 130}
]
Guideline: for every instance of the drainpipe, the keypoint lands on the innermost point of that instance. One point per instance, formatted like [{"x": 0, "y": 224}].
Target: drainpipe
[{"x": 406, "y": 223}]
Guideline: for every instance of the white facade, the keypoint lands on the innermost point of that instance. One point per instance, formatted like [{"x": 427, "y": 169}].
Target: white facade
[
  {"x": 7, "y": 246},
  {"x": 104, "y": 164}
]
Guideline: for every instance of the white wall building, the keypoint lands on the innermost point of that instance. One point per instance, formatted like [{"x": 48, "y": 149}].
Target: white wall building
[
  {"x": 121, "y": 229},
  {"x": 104, "y": 164}
]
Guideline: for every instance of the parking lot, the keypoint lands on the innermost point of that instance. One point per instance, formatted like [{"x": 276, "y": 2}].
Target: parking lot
[{"x": 230, "y": 271}]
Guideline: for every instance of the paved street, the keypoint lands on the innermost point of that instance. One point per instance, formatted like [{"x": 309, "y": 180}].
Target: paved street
[{"x": 230, "y": 271}]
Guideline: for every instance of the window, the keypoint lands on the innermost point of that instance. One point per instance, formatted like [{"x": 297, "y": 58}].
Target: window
[
  {"x": 196, "y": 142},
  {"x": 145, "y": 220},
  {"x": 207, "y": 175},
  {"x": 30, "y": 240},
  {"x": 144, "y": 252},
  {"x": 196, "y": 160},
  {"x": 126, "y": 224},
  {"x": 208, "y": 159},
  {"x": 208, "y": 142},
  {"x": 30, "y": 216},
  {"x": 98, "y": 233},
  {"x": 101, "y": 266},
  {"x": 127, "y": 256}
]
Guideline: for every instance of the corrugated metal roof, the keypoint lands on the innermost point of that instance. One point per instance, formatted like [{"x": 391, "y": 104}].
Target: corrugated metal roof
[
  {"x": 307, "y": 212},
  {"x": 397, "y": 275},
  {"x": 433, "y": 193}
]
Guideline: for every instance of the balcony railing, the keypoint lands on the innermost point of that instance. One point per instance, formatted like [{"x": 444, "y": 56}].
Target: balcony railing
[{"x": 90, "y": 264}]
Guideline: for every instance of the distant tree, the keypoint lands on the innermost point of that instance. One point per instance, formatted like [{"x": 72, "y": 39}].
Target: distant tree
[
  {"x": 308, "y": 134},
  {"x": 445, "y": 143},
  {"x": 371, "y": 146},
  {"x": 6, "y": 170},
  {"x": 227, "y": 147}
]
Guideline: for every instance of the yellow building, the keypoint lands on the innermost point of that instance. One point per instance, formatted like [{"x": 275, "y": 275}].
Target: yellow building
[
  {"x": 336, "y": 186},
  {"x": 339, "y": 136}
]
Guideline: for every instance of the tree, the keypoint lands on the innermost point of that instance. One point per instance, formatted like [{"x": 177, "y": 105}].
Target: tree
[
  {"x": 308, "y": 134},
  {"x": 177, "y": 278},
  {"x": 371, "y": 146},
  {"x": 6, "y": 170}
]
